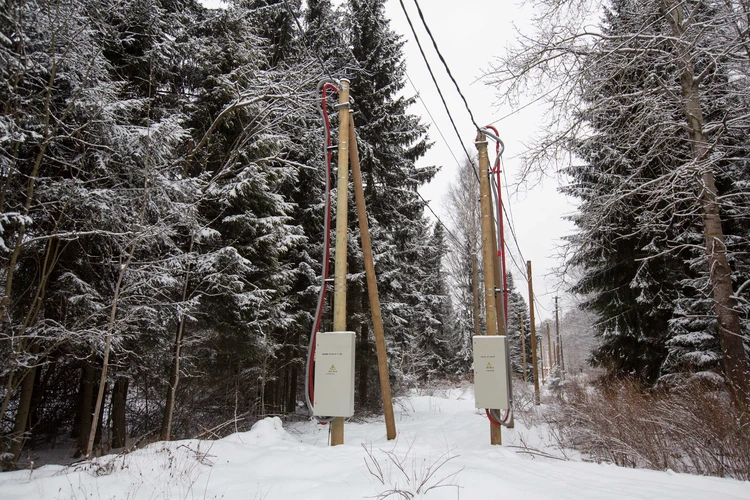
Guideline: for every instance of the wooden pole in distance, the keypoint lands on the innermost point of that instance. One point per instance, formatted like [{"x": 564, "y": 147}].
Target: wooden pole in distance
[
  {"x": 541, "y": 352},
  {"x": 342, "y": 200},
  {"x": 549, "y": 347},
  {"x": 533, "y": 336},
  {"x": 559, "y": 339},
  {"x": 488, "y": 258},
  {"x": 372, "y": 284},
  {"x": 556, "y": 351},
  {"x": 523, "y": 347}
]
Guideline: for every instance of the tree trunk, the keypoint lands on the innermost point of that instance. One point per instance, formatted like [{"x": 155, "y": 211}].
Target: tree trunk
[
  {"x": 291, "y": 397},
  {"x": 85, "y": 408},
  {"x": 97, "y": 431},
  {"x": 107, "y": 349},
  {"x": 736, "y": 363},
  {"x": 22, "y": 415},
  {"x": 119, "y": 397},
  {"x": 174, "y": 373}
]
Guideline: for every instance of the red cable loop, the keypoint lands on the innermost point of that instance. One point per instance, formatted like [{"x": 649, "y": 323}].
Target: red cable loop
[
  {"x": 327, "y": 236},
  {"x": 492, "y": 419},
  {"x": 501, "y": 233}
]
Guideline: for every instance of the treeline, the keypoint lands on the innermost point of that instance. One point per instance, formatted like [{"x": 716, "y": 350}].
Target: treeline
[
  {"x": 648, "y": 108},
  {"x": 161, "y": 215}
]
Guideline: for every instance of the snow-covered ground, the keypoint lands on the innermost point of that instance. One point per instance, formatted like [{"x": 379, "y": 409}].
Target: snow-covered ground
[{"x": 442, "y": 452}]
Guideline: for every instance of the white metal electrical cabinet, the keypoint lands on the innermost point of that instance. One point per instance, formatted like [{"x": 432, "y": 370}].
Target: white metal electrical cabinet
[
  {"x": 334, "y": 374},
  {"x": 490, "y": 372}
]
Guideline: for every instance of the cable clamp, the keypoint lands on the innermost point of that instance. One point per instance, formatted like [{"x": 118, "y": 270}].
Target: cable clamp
[
  {"x": 332, "y": 148},
  {"x": 341, "y": 105},
  {"x": 329, "y": 280}
]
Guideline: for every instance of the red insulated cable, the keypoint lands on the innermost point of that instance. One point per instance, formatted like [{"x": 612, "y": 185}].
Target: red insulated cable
[
  {"x": 501, "y": 233},
  {"x": 495, "y": 422},
  {"x": 327, "y": 235}
]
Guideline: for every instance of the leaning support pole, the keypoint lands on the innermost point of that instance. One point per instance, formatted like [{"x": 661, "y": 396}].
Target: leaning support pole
[
  {"x": 533, "y": 335},
  {"x": 502, "y": 320},
  {"x": 523, "y": 347},
  {"x": 372, "y": 285},
  {"x": 488, "y": 257},
  {"x": 342, "y": 200}
]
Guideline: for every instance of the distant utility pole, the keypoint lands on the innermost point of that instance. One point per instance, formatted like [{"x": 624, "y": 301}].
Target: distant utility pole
[
  {"x": 541, "y": 358},
  {"x": 533, "y": 336},
  {"x": 559, "y": 339},
  {"x": 549, "y": 348}
]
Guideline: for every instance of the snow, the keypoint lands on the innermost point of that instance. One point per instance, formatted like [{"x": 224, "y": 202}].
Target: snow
[{"x": 442, "y": 452}]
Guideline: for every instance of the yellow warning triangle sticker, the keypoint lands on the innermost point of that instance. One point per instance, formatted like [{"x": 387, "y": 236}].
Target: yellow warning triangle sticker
[
  {"x": 489, "y": 365},
  {"x": 332, "y": 369}
]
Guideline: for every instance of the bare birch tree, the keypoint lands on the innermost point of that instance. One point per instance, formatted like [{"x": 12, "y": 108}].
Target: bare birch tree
[{"x": 692, "y": 59}]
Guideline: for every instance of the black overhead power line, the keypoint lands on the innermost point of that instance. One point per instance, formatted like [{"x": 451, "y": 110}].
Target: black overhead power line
[
  {"x": 440, "y": 92},
  {"x": 442, "y": 59},
  {"x": 468, "y": 109},
  {"x": 438, "y": 218},
  {"x": 432, "y": 119}
]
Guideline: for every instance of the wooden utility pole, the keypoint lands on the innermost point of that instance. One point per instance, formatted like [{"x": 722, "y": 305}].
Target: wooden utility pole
[
  {"x": 475, "y": 289},
  {"x": 342, "y": 199},
  {"x": 556, "y": 351},
  {"x": 560, "y": 357},
  {"x": 372, "y": 284},
  {"x": 549, "y": 347},
  {"x": 533, "y": 336},
  {"x": 523, "y": 347},
  {"x": 488, "y": 257},
  {"x": 541, "y": 352},
  {"x": 502, "y": 319}
]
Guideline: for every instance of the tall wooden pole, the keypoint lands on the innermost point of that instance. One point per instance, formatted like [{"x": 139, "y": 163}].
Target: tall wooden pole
[
  {"x": 523, "y": 347},
  {"x": 342, "y": 200},
  {"x": 372, "y": 284},
  {"x": 533, "y": 336},
  {"x": 488, "y": 257},
  {"x": 502, "y": 320},
  {"x": 475, "y": 290}
]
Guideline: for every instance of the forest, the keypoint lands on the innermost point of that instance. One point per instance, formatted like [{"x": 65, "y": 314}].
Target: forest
[{"x": 162, "y": 192}]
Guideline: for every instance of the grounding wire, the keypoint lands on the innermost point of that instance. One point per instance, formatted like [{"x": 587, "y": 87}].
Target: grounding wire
[
  {"x": 442, "y": 59},
  {"x": 440, "y": 92}
]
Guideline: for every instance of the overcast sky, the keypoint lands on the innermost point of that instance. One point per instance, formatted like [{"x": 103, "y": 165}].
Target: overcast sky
[{"x": 470, "y": 33}]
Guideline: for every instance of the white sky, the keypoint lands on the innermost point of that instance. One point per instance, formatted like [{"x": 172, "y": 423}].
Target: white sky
[{"x": 470, "y": 33}]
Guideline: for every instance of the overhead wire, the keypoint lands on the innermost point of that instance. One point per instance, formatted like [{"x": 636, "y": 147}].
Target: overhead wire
[
  {"x": 458, "y": 89},
  {"x": 440, "y": 92},
  {"x": 445, "y": 64},
  {"x": 432, "y": 119},
  {"x": 438, "y": 218}
]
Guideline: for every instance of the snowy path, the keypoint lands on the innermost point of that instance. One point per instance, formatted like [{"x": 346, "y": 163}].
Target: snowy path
[{"x": 271, "y": 463}]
